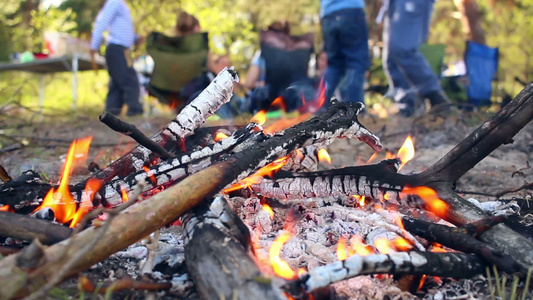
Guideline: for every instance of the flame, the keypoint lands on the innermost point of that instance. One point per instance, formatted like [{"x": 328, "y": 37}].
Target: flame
[
  {"x": 389, "y": 155},
  {"x": 422, "y": 281},
  {"x": 281, "y": 267},
  {"x": 430, "y": 197},
  {"x": 60, "y": 200},
  {"x": 278, "y": 102},
  {"x": 283, "y": 124},
  {"x": 384, "y": 246},
  {"x": 359, "y": 247},
  {"x": 314, "y": 105},
  {"x": 220, "y": 136},
  {"x": 124, "y": 193},
  {"x": 402, "y": 244},
  {"x": 4, "y": 208},
  {"x": 267, "y": 170},
  {"x": 406, "y": 152},
  {"x": 269, "y": 210},
  {"x": 437, "y": 248},
  {"x": 323, "y": 155},
  {"x": 260, "y": 117},
  {"x": 374, "y": 156},
  {"x": 360, "y": 199},
  {"x": 342, "y": 248},
  {"x": 91, "y": 187}
]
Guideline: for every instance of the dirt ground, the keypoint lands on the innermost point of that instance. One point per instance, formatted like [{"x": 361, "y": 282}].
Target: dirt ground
[{"x": 31, "y": 144}]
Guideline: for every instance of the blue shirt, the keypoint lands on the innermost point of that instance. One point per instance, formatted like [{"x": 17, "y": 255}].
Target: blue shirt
[
  {"x": 115, "y": 17},
  {"x": 329, "y": 6}
]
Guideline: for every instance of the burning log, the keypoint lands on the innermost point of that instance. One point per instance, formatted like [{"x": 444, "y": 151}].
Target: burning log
[
  {"x": 456, "y": 265},
  {"x": 139, "y": 220},
  {"x": 458, "y": 239},
  {"x": 216, "y": 252},
  {"x": 27, "y": 228},
  {"x": 191, "y": 117}
]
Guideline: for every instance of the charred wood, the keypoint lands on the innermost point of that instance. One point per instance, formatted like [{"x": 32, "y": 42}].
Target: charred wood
[
  {"x": 217, "y": 255},
  {"x": 27, "y": 228},
  {"x": 458, "y": 239},
  {"x": 455, "y": 265},
  {"x": 130, "y": 130}
]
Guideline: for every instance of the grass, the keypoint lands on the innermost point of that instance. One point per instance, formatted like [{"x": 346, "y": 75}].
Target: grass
[{"x": 499, "y": 289}]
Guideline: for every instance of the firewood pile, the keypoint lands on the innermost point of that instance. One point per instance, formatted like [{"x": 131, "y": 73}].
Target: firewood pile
[{"x": 246, "y": 213}]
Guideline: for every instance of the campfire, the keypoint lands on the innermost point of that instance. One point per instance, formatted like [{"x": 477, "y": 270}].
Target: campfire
[{"x": 257, "y": 214}]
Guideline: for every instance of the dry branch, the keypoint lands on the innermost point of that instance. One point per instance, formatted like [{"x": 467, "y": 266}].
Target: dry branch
[{"x": 27, "y": 228}]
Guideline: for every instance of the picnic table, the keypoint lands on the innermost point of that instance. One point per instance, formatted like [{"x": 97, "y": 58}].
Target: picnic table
[{"x": 68, "y": 63}]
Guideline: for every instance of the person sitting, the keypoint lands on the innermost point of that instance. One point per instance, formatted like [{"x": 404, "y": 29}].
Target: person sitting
[{"x": 279, "y": 68}]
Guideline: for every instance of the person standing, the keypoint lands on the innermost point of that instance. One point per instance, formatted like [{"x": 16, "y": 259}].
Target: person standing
[
  {"x": 345, "y": 35},
  {"x": 115, "y": 17},
  {"x": 411, "y": 79}
]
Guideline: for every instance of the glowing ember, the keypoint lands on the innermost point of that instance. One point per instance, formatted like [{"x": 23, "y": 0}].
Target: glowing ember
[
  {"x": 406, "y": 152},
  {"x": 60, "y": 200},
  {"x": 267, "y": 170},
  {"x": 260, "y": 117},
  {"x": 360, "y": 199},
  {"x": 281, "y": 267},
  {"x": 384, "y": 246},
  {"x": 150, "y": 175},
  {"x": 342, "y": 248},
  {"x": 430, "y": 197},
  {"x": 220, "y": 136},
  {"x": 323, "y": 155},
  {"x": 269, "y": 210}
]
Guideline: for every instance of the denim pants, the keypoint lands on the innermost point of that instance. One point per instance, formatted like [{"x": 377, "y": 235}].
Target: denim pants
[
  {"x": 345, "y": 36},
  {"x": 406, "y": 28},
  {"x": 123, "y": 81}
]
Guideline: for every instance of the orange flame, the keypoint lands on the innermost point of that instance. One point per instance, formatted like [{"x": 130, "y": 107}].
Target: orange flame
[
  {"x": 374, "y": 156},
  {"x": 269, "y": 210},
  {"x": 323, "y": 155},
  {"x": 430, "y": 197},
  {"x": 314, "y": 105},
  {"x": 281, "y": 267},
  {"x": 342, "y": 248},
  {"x": 60, "y": 200},
  {"x": 260, "y": 117},
  {"x": 150, "y": 175},
  {"x": 286, "y": 123},
  {"x": 384, "y": 246},
  {"x": 278, "y": 102},
  {"x": 402, "y": 244},
  {"x": 91, "y": 187},
  {"x": 406, "y": 152},
  {"x": 389, "y": 155},
  {"x": 124, "y": 194},
  {"x": 267, "y": 170},
  {"x": 360, "y": 199},
  {"x": 4, "y": 208},
  {"x": 359, "y": 247},
  {"x": 220, "y": 136}
]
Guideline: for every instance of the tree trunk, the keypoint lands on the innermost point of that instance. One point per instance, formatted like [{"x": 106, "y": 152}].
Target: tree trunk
[{"x": 471, "y": 19}]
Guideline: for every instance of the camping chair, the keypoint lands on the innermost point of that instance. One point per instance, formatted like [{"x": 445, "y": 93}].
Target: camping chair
[
  {"x": 481, "y": 66},
  {"x": 177, "y": 61},
  {"x": 434, "y": 54},
  {"x": 286, "y": 59}
]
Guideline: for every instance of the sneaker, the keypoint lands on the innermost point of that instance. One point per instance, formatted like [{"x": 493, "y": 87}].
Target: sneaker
[{"x": 411, "y": 106}]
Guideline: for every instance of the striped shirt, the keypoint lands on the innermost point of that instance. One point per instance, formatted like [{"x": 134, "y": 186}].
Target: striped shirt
[{"x": 115, "y": 17}]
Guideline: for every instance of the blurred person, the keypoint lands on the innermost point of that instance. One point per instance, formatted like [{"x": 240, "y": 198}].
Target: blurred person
[
  {"x": 345, "y": 35},
  {"x": 115, "y": 17},
  {"x": 411, "y": 78}
]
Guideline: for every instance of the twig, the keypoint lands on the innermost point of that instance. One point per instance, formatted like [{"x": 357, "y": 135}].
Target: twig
[
  {"x": 130, "y": 130},
  {"x": 513, "y": 190},
  {"x": 123, "y": 284}
]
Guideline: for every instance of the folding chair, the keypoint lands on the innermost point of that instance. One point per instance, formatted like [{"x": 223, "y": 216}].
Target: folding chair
[
  {"x": 481, "y": 66},
  {"x": 286, "y": 59},
  {"x": 434, "y": 54},
  {"x": 177, "y": 61}
]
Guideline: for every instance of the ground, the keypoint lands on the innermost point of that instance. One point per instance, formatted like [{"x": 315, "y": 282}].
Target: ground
[{"x": 42, "y": 144}]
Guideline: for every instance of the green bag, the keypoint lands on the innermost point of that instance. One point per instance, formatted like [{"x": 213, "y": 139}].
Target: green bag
[{"x": 177, "y": 60}]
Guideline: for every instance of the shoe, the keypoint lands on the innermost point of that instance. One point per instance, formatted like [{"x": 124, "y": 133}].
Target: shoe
[
  {"x": 411, "y": 106},
  {"x": 437, "y": 98}
]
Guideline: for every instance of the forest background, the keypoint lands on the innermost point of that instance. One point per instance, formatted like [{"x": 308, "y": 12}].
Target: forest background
[{"x": 233, "y": 28}]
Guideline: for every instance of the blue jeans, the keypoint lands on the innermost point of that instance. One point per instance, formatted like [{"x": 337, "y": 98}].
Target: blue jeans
[
  {"x": 345, "y": 36},
  {"x": 406, "y": 28},
  {"x": 123, "y": 82}
]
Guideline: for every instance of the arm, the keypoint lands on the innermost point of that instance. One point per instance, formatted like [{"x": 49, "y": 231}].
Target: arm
[
  {"x": 104, "y": 18},
  {"x": 252, "y": 76}
]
